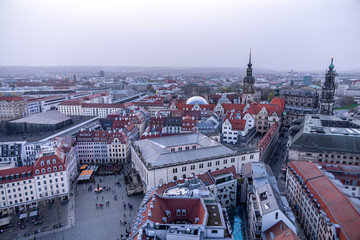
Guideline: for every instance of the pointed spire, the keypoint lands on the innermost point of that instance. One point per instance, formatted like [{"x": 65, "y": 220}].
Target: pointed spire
[
  {"x": 249, "y": 64},
  {"x": 331, "y": 66}
]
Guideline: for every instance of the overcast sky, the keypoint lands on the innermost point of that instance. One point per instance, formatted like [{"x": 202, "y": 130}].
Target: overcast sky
[{"x": 283, "y": 35}]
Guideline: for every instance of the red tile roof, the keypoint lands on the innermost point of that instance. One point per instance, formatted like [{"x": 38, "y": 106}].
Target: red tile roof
[
  {"x": 58, "y": 162},
  {"x": 333, "y": 202},
  {"x": 237, "y": 107},
  {"x": 266, "y": 140},
  {"x": 12, "y": 99},
  {"x": 256, "y": 108},
  {"x": 279, "y": 102},
  {"x": 14, "y": 171},
  {"x": 224, "y": 170},
  {"x": 281, "y": 232}
]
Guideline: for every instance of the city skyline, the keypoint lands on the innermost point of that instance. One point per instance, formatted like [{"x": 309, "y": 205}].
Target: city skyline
[{"x": 181, "y": 34}]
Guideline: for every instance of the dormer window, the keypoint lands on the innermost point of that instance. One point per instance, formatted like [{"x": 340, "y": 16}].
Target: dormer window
[
  {"x": 60, "y": 167},
  {"x": 54, "y": 161},
  {"x": 49, "y": 169},
  {"x": 43, "y": 170},
  {"x": 178, "y": 212},
  {"x": 48, "y": 162},
  {"x": 42, "y": 163},
  {"x": 55, "y": 169},
  {"x": 37, "y": 171},
  {"x": 183, "y": 212}
]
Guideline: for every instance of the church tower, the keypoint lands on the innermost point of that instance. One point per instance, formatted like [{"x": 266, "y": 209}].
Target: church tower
[
  {"x": 328, "y": 92},
  {"x": 248, "y": 84}
]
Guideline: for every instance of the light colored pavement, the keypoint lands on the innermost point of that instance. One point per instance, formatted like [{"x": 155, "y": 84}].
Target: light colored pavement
[{"x": 90, "y": 222}]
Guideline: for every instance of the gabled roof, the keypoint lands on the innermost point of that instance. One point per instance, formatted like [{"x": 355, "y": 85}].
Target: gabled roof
[
  {"x": 256, "y": 108},
  {"x": 237, "y": 124},
  {"x": 279, "y": 102},
  {"x": 237, "y": 107}
]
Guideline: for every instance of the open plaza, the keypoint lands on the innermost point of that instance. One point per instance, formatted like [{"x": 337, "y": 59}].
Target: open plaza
[{"x": 87, "y": 215}]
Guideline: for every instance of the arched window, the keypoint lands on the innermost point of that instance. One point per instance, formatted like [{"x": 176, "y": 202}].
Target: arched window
[
  {"x": 60, "y": 167},
  {"x": 54, "y": 161},
  {"x": 37, "y": 171},
  {"x": 49, "y": 169},
  {"x": 43, "y": 170},
  {"x": 48, "y": 162},
  {"x": 42, "y": 163},
  {"x": 55, "y": 169}
]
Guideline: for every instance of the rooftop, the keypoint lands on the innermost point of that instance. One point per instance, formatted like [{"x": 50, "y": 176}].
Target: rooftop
[
  {"x": 50, "y": 117},
  {"x": 32, "y": 137},
  {"x": 326, "y": 133},
  {"x": 155, "y": 150},
  {"x": 333, "y": 202}
]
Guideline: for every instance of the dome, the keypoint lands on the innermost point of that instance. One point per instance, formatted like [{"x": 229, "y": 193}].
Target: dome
[{"x": 199, "y": 100}]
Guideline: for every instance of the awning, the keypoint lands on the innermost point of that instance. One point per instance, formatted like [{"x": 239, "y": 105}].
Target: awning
[
  {"x": 23, "y": 215},
  {"x": 33, "y": 213},
  {"x": 4, "y": 221}
]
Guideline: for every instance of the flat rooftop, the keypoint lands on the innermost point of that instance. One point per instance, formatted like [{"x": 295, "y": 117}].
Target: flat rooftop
[
  {"x": 214, "y": 218},
  {"x": 327, "y": 133},
  {"x": 50, "y": 117},
  {"x": 32, "y": 137}
]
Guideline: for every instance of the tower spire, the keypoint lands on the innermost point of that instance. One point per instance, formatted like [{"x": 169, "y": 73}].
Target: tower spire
[
  {"x": 249, "y": 64},
  {"x": 331, "y": 66}
]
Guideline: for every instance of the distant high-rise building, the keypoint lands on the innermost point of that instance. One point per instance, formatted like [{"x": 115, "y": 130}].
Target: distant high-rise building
[
  {"x": 328, "y": 92},
  {"x": 307, "y": 80},
  {"x": 101, "y": 74},
  {"x": 248, "y": 84}
]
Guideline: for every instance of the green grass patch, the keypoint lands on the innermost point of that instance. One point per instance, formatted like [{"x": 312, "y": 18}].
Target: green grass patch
[{"x": 351, "y": 106}]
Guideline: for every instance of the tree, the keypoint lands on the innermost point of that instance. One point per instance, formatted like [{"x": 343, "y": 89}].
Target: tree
[
  {"x": 346, "y": 101},
  {"x": 270, "y": 96},
  {"x": 152, "y": 89}
]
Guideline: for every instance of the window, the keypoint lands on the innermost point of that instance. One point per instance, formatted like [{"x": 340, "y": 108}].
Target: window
[
  {"x": 55, "y": 169},
  {"x": 214, "y": 231},
  {"x": 42, "y": 163},
  {"x": 233, "y": 160},
  {"x": 225, "y": 161},
  {"x": 276, "y": 215},
  {"x": 209, "y": 164},
  {"x": 180, "y": 149},
  {"x": 174, "y": 170},
  {"x": 54, "y": 161},
  {"x": 243, "y": 158},
  {"x": 37, "y": 171},
  {"x": 183, "y": 169},
  {"x": 43, "y": 170},
  {"x": 201, "y": 165},
  {"x": 60, "y": 167},
  {"x": 217, "y": 163},
  {"x": 251, "y": 156},
  {"x": 194, "y": 146},
  {"x": 172, "y": 150},
  {"x": 187, "y": 148},
  {"x": 48, "y": 162},
  {"x": 192, "y": 167},
  {"x": 49, "y": 169}
]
